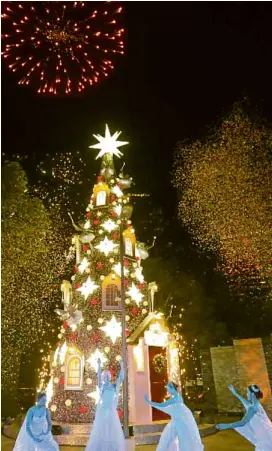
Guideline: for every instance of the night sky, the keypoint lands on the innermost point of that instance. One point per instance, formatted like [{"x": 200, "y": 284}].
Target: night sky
[{"x": 185, "y": 64}]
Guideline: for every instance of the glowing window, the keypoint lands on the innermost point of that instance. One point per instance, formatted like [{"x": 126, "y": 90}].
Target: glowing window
[
  {"x": 128, "y": 247},
  {"x": 112, "y": 296},
  {"x": 74, "y": 373},
  {"x": 101, "y": 198}
]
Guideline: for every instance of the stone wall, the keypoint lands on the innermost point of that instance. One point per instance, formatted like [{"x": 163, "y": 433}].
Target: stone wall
[
  {"x": 225, "y": 374},
  {"x": 247, "y": 361}
]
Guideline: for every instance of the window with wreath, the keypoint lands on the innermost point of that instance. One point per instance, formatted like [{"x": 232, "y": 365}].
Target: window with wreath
[
  {"x": 101, "y": 198},
  {"x": 111, "y": 292},
  {"x": 74, "y": 373}
]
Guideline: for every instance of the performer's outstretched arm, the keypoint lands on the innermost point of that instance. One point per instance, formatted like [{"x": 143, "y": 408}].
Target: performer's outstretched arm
[
  {"x": 250, "y": 413},
  {"x": 244, "y": 401},
  {"x": 159, "y": 405},
  {"x": 99, "y": 374}
]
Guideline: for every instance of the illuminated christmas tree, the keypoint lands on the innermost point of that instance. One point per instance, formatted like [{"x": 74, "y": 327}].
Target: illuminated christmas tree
[{"x": 91, "y": 311}]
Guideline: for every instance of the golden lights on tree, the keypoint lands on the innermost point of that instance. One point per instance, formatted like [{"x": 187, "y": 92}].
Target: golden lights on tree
[{"x": 225, "y": 192}]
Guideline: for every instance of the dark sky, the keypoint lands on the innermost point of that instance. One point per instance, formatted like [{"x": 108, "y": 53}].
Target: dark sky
[{"x": 185, "y": 63}]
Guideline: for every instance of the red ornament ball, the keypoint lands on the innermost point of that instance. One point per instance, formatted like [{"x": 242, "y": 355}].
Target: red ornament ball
[
  {"x": 83, "y": 409},
  {"x": 88, "y": 214},
  {"x": 126, "y": 262},
  {"x": 62, "y": 381},
  {"x": 127, "y": 332},
  {"x": 114, "y": 214},
  {"x": 125, "y": 283},
  {"x": 120, "y": 413},
  {"x": 112, "y": 198},
  {"x": 115, "y": 236},
  {"x": 95, "y": 222},
  {"x": 112, "y": 372},
  {"x": 94, "y": 301},
  {"x": 76, "y": 268},
  {"x": 78, "y": 286},
  {"x": 99, "y": 265},
  {"x": 99, "y": 178},
  {"x": 73, "y": 336},
  {"x": 65, "y": 325},
  {"x": 84, "y": 248}
]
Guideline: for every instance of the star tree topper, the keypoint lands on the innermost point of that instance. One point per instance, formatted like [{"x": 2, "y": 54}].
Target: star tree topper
[{"x": 108, "y": 144}]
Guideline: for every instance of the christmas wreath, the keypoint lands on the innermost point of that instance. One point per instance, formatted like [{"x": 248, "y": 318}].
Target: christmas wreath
[{"x": 159, "y": 363}]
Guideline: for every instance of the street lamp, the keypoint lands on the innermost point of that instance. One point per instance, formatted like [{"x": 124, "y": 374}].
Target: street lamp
[{"x": 126, "y": 214}]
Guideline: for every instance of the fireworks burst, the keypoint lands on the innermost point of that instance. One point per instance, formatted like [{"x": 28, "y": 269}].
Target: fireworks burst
[{"x": 61, "y": 47}]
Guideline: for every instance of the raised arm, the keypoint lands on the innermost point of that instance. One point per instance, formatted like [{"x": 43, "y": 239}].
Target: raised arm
[
  {"x": 250, "y": 413},
  {"x": 99, "y": 374},
  {"x": 244, "y": 401},
  {"x": 120, "y": 377},
  {"x": 29, "y": 418}
]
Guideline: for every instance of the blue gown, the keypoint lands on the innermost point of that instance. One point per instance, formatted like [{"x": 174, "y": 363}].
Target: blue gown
[
  {"x": 107, "y": 433},
  {"x": 38, "y": 428},
  {"x": 182, "y": 433},
  {"x": 258, "y": 430}
]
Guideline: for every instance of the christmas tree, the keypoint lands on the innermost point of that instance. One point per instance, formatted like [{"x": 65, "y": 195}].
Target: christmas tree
[{"x": 91, "y": 311}]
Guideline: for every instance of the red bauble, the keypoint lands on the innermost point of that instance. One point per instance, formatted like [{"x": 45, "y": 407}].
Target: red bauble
[
  {"x": 127, "y": 332},
  {"x": 141, "y": 285},
  {"x": 115, "y": 236},
  {"x": 76, "y": 268},
  {"x": 137, "y": 259},
  {"x": 95, "y": 222},
  {"x": 119, "y": 185},
  {"x": 78, "y": 286},
  {"x": 94, "y": 301},
  {"x": 73, "y": 336},
  {"x": 134, "y": 310},
  {"x": 84, "y": 247},
  {"x": 65, "y": 325},
  {"x": 120, "y": 413},
  {"x": 99, "y": 265},
  {"x": 112, "y": 198},
  {"x": 62, "y": 381},
  {"x": 125, "y": 283},
  {"x": 83, "y": 409},
  {"x": 88, "y": 214},
  {"x": 99, "y": 178},
  {"x": 114, "y": 214},
  {"x": 95, "y": 337},
  {"x": 58, "y": 344},
  {"x": 112, "y": 372},
  {"x": 126, "y": 262}
]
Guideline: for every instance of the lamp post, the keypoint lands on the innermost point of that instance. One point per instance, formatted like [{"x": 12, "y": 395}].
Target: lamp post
[{"x": 126, "y": 214}]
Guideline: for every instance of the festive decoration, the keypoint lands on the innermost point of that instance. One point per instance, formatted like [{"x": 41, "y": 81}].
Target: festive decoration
[
  {"x": 135, "y": 294},
  {"x": 106, "y": 246},
  {"x": 87, "y": 288},
  {"x": 94, "y": 359},
  {"x": 61, "y": 47},
  {"x": 159, "y": 363},
  {"x": 112, "y": 329},
  {"x": 108, "y": 144},
  {"x": 96, "y": 295}
]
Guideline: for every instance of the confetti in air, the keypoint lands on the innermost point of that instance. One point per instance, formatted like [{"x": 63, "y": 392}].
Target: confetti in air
[{"x": 61, "y": 47}]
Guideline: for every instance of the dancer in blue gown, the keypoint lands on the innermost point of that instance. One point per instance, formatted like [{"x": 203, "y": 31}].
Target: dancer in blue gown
[
  {"x": 107, "y": 433},
  {"x": 35, "y": 433},
  {"x": 255, "y": 426},
  {"x": 182, "y": 433}
]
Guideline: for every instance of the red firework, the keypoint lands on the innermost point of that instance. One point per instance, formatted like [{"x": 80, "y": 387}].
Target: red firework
[{"x": 61, "y": 47}]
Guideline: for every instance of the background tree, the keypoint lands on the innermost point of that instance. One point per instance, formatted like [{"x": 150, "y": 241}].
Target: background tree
[
  {"x": 225, "y": 191},
  {"x": 30, "y": 275}
]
